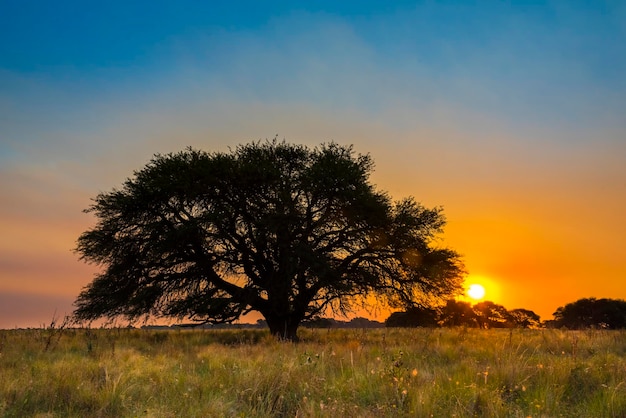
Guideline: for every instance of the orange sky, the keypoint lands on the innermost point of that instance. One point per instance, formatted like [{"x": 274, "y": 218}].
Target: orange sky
[
  {"x": 536, "y": 238},
  {"x": 511, "y": 118}
]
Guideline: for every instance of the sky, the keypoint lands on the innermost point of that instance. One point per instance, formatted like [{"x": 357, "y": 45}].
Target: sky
[{"x": 509, "y": 115}]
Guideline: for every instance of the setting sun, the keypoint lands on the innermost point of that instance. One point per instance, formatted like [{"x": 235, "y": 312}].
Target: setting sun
[{"x": 476, "y": 291}]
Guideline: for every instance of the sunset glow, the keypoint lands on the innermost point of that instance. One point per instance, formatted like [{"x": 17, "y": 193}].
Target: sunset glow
[
  {"x": 476, "y": 291},
  {"x": 507, "y": 116}
]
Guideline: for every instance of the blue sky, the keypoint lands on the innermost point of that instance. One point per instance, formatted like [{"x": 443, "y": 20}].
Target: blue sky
[
  {"x": 509, "y": 114},
  {"x": 527, "y": 61}
]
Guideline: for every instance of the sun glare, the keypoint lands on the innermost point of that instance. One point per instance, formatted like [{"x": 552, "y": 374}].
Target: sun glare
[{"x": 476, "y": 291}]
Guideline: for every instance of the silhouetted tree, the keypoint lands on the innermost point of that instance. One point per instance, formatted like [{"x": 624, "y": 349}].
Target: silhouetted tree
[
  {"x": 457, "y": 313},
  {"x": 414, "y": 317},
  {"x": 281, "y": 229},
  {"x": 485, "y": 314},
  {"x": 491, "y": 315},
  {"x": 591, "y": 313},
  {"x": 524, "y": 318}
]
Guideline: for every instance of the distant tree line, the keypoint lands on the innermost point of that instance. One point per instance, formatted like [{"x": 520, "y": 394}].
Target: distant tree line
[
  {"x": 584, "y": 313},
  {"x": 358, "y": 322},
  {"x": 485, "y": 315},
  {"x": 581, "y": 314}
]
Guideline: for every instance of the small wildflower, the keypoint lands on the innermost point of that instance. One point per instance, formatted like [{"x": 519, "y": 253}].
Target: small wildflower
[{"x": 414, "y": 372}]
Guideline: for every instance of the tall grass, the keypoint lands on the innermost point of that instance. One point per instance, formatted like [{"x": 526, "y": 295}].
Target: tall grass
[{"x": 349, "y": 373}]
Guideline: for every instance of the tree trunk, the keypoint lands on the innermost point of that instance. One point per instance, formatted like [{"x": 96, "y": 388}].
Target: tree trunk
[{"x": 283, "y": 328}]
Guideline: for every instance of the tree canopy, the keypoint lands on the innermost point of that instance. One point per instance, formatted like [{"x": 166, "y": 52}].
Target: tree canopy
[
  {"x": 285, "y": 230},
  {"x": 591, "y": 313}
]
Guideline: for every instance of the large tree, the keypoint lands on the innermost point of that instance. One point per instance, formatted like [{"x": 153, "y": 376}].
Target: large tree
[{"x": 285, "y": 230}]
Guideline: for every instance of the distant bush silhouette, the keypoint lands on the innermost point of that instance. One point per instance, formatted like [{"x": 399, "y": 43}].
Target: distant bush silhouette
[
  {"x": 414, "y": 317},
  {"x": 524, "y": 318},
  {"x": 591, "y": 313},
  {"x": 457, "y": 313}
]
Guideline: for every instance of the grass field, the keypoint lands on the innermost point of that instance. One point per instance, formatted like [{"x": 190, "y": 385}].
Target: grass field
[{"x": 347, "y": 373}]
